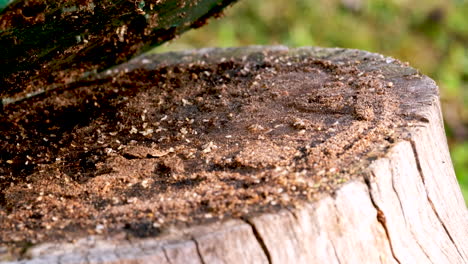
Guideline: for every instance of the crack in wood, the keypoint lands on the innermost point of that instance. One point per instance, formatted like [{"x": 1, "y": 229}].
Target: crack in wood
[
  {"x": 86, "y": 258},
  {"x": 380, "y": 215},
  {"x": 293, "y": 213},
  {"x": 420, "y": 171},
  {"x": 166, "y": 255},
  {"x": 392, "y": 172},
  {"x": 259, "y": 239},
  {"x": 335, "y": 252},
  {"x": 90, "y": 252},
  {"x": 197, "y": 247}
]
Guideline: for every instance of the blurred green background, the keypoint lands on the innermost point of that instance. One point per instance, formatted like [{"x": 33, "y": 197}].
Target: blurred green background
[
  {"x": 431, "y": 35},
  {"x": 4, "y": 3}
]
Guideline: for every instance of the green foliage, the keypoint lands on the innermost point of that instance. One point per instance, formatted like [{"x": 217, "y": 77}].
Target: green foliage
[
  {"x": 4, "y": 3},
  {"x": 460, "y": 162},
  {"x": 430, "y": 34}
]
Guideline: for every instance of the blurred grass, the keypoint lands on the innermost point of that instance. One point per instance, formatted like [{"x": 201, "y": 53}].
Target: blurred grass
[
  {"x": 431, "y": 35},
  {"x": 4, "y": 3}
]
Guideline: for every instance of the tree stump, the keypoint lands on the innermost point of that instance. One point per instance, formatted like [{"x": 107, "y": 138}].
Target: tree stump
[{"x": 242, "y": 155}]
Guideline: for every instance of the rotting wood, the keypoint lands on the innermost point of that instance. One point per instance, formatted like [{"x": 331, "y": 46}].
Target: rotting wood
[{"x": 405, "y": 206}]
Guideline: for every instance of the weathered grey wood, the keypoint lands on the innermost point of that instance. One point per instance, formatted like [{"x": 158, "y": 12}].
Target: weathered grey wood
[
  {"x": 184, "y": 252},
  {"x": 343, "y": 229},
  {"x": 443, "y": 193},
  {"x": 407, "y": 207},
  {"x": 233, "y": 242},
  {"x": 432, "y": 228}
]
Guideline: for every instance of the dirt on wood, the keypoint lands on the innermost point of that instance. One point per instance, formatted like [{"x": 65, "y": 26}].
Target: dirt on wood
[
  {"x": 46, "y": 43},
  {"x": 141, "y": 150}
]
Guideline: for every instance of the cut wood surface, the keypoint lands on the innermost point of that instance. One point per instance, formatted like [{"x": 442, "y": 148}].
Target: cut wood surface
[{"x": 401, "y": 206}]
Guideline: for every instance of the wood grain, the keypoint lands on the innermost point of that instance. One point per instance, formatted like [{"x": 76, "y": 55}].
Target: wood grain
[{"x": 406, "y": 207}]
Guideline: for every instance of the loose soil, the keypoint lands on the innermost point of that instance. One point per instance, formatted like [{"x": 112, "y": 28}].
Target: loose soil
[{"x": 139, "y": 150}]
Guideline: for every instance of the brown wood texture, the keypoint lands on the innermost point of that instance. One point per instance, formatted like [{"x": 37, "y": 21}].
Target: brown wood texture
[
  {"x": 46, "y": 44},
  {"x": 407, "y": 207}
]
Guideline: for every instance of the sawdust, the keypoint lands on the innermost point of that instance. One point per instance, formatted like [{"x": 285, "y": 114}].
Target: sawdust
[{"x": 182, "y": 144}]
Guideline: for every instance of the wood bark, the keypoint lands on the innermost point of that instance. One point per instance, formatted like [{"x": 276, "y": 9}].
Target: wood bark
[
  {"x": 46, "y": 44},
  {"x": 405, "y": 208}
]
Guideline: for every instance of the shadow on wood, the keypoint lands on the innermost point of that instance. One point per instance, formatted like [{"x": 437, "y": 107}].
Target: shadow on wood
[
  {"x": 257, "y": 155},
  {"x": 49, "y": 43}
]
